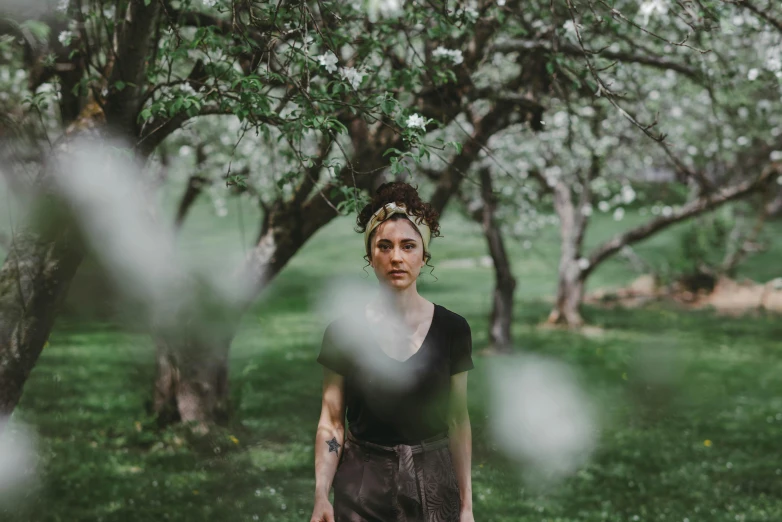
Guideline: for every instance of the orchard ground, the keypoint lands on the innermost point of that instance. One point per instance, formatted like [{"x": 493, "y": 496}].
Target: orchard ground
[{"x": 703, "y": 446}]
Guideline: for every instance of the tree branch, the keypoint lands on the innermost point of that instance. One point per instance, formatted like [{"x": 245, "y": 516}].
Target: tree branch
[
  {"x": 693, "y": 208},
  {"x": 765, "y": 15},
  {"x": 134, "y": 40},
  {"x": 149, "y": 140},
  {"x": 622, "y": 56}
]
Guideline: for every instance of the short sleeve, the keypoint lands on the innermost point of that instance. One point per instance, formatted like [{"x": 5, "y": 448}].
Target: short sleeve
[
  {"x": 461, "y": 348},
  {"x": 332, "y": 355}
]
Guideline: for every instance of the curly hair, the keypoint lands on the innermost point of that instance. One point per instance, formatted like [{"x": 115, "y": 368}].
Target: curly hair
[{"x": 399, "y": 192}]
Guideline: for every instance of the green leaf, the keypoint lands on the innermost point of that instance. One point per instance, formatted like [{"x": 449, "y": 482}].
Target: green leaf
[
  {"x": 120, "y": 85},
  {"x": 388, "y": 106},
  {"x": 39, "y": 30}
]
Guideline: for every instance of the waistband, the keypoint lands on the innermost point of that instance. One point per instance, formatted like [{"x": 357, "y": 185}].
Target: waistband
[
  {"x": 409, "y": 478},
  {"x": 440, "y": 440}
]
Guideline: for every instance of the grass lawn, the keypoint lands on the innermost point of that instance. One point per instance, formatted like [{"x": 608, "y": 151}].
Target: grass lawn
[{"x": 702, "y": 446}]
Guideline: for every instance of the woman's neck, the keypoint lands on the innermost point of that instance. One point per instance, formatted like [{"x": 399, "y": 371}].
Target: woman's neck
[{"x": 405, "y": 305}]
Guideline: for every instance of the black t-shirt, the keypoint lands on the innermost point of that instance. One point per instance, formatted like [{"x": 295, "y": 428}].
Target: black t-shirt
[{"x": 397, "y": 402}]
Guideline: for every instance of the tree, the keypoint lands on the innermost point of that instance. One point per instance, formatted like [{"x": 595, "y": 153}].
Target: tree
[
  {"x": 306, "y": 76},
  {"x": 615, "y": 69}
]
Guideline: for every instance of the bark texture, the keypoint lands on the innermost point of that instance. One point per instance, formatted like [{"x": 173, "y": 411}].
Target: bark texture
[
  {"x": 46, "y": 253},
  {"x": 575, "y": 269},
  {"x": 33, "y": 283},
  {"x": 501, "y": 316},
  {"x": 504, "y": 283}
]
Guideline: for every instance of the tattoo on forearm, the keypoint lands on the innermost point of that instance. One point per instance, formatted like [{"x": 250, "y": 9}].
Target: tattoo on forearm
[{"x": 333, "y": 445}]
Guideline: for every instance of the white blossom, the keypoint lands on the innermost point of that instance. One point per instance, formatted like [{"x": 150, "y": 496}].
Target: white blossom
[
  {"x": 619, "y": 213},
  {"x": 500, "y": 3},
  {"x": 586, "y": 210},
  {"x": 571, "y": 30},
  {"x": 186, "y": 88},
  {"x": 352, "y": 76},
  {"x": 328, "y": 60},
  {"x": 776, "y": 155},
  {"x": 650, "y": 7},
  {"x": 416, "y": 120},
  {"x": 377, "y": 9},
  {"x": 667, "y": 211},
  {"x": 471, "y": 12},
  {"x": 455, "y": 55},
  {"x": 209, "y": 3},
  {"x": 603, "y": 206},
  {"x": 628, "y": 194},
  {"x": 583, "y": 263},
  {"x": 62, "y": 5},
  {"x": 753, "y": 74},
  {"x": 65, "y": 37}
]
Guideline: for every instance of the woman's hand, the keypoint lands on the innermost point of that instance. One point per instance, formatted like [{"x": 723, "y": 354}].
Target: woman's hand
[
  {"x": 466, "y": 516},
  {"x": 323, "y": 512}
]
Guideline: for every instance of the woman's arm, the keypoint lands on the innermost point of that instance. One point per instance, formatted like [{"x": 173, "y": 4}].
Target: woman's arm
[
  {"x": 329, "y": 440},
  {"x": 461, "y": 441}
]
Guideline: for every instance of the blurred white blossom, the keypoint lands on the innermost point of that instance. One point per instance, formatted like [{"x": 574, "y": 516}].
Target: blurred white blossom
[
  {"x": 619, "y": 213},
  {"x": 603, "y": 206},
  {"x": 455, "y": 55},
  {"x": 416, "y": 121},
  {"x": 570, "y": 30},
  {"x": 628, "y": 194},
  {"x": 377, "y": 9},
  {"x": 65, "y": 37},
  {"x": 540, "y": 417},
  {"x": 328, "y": 60},
  {"x": 186, "y": 88},
  {"x": 352, "y": 76},
  {"x": 18, "y": 460},
  {"x": 586, "y": 210},
  {"x": 583, "y": 263},
  {"x": 651, "y": 7}
]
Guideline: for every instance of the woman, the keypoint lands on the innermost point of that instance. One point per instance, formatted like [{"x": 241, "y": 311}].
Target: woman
[{"x": 399, "y": 371}]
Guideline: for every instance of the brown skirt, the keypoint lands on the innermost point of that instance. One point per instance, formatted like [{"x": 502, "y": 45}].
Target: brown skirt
[{"x": 403, "y": 483}]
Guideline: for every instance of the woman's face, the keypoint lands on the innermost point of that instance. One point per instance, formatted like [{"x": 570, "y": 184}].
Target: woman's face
[{"x": 397, "y": 253}]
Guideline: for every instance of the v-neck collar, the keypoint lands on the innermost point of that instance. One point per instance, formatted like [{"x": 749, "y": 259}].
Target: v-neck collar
[{"x": 423, "y": 343}]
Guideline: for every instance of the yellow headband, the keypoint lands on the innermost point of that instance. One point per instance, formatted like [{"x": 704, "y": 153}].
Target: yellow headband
[{"x": 388, "y": 210}]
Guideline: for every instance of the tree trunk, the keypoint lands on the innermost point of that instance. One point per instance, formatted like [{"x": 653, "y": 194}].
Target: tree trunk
[
  {"x": 193, "y": 190},
  {"x": 571, "y": 277},
  {"x": 192, "y": 368},
  {"x": 33, "y": 283},
  {"x": 192, "y": 381},
  {"x": 42, "y": 260},
  {"x": 570, "y": 293},
  {"x": 504, "y": 282},
  {"x": 774, "y": 207}
]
